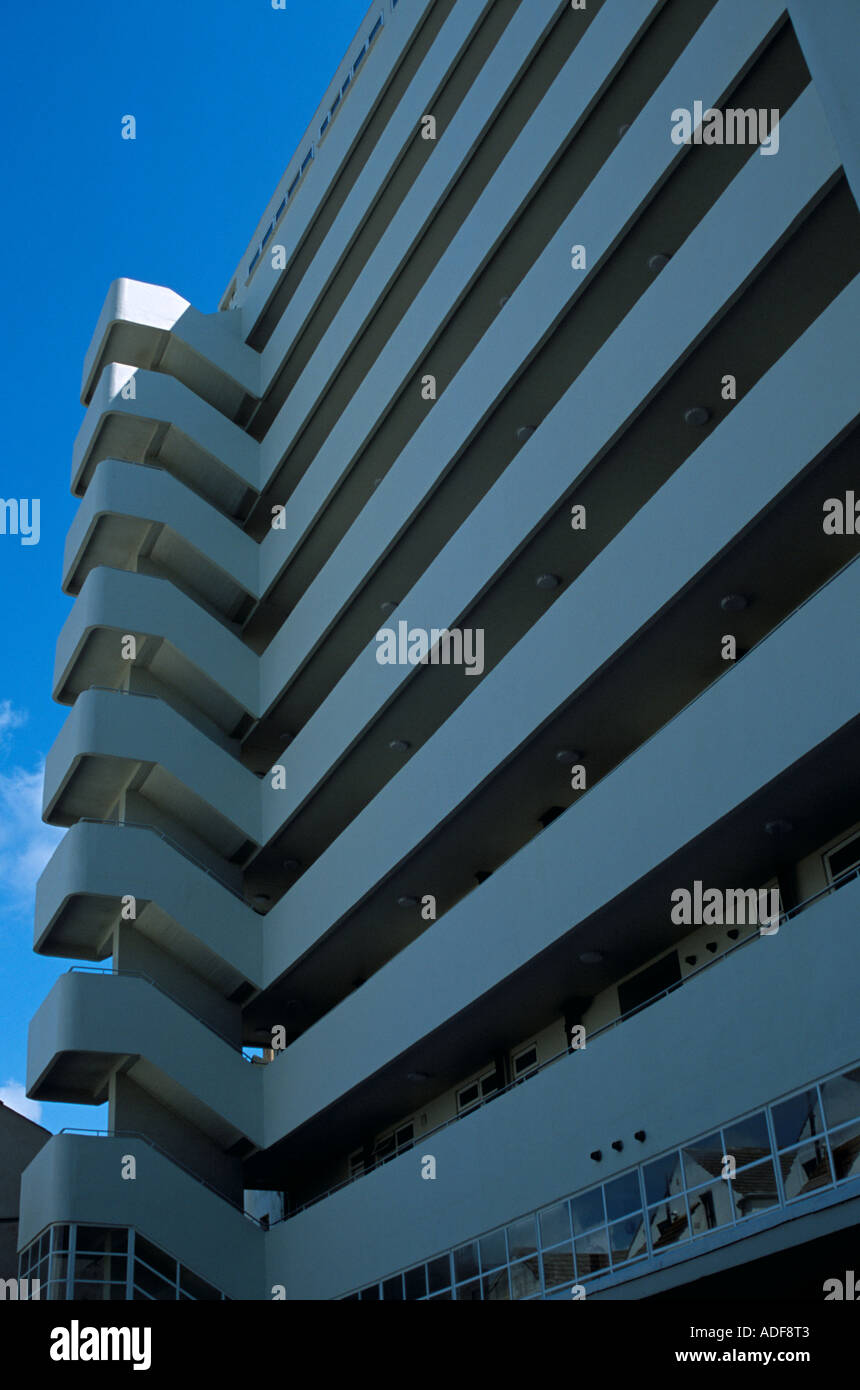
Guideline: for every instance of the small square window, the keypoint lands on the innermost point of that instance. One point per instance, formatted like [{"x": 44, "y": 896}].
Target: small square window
[
  {"x": 587, "y": 1210},
  {"x": 466, "y": 1261},
  {"x": 521, "y": 1238},
  {"x": 842, "y": 1098},
  {"x": 416, "y": 1282},
  {"x": 797, "y": 1118},
  {"x": 555, "y": 1224},
  {"x": 493, "y": 1250},
  {"x": 622, "y": 1196},
  {"x": 439, "y": 1273}
]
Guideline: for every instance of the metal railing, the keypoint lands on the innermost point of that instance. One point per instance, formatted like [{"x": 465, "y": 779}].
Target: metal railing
[{"x": 787, "y": 916}]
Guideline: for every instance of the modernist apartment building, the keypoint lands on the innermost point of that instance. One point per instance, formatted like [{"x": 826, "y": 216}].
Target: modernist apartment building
[{"x": 460, "y": 886}]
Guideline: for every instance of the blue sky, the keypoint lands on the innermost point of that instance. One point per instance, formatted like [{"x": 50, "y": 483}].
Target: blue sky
[{"x": 221, "y": 93}]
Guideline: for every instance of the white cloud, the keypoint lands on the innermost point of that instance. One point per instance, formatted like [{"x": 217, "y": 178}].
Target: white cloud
[
  {"x": 26, "y": 844},
  {"x": 13, "y": 1095},
  {"x": 10, "y": 718}
]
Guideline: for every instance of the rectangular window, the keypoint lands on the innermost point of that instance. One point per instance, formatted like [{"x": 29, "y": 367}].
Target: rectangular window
[
  {"x": 390, "y": 1145},
  {"x": 356, "y": 1163},
  {"x": 294, "y": 185},
  {"x": 324, "y": 126},
  {"x": 280, "y": 209},
  {"x": 360, "y": 59},
  {"x": 478, "y": 1090},
  {"x": 843, "y": 857},
  {"x": 375, "y": 30},
  {"x": 307, "y": 159},
  {"x": 346, "y": 84},
  {"x": 254, "y": 261},
  {"x": 335, "y": 104},
  {"x": 525, "y": 1061}
]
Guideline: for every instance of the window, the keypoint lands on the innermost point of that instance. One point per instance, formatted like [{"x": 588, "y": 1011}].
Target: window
[
  {"x": 324, "y": 126},
  {"x": 477, "y": 1090},
  {"x": 346, "y": 84},
  {"x": 268, "y": 234},
  {"x": 335, "y": 104},
  {"x": 397, "y": 1142},
  {"x": 360, "y": 59},
  {"x": 254, "y": 261},
  {"x": 843, "y": 857},
  {"x": 294, "y": 185},
  {"x": 307, "y": 159},
  {"x": 375, "y": 30},
  {"x": 525, "y": 1061},
  {"x": 281, "y": 208}
]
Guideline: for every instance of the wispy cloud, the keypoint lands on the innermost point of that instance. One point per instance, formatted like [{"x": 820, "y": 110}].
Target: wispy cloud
[
  {"x": 10, "y": 718},
  {"x": 26, "y": 844},
  {"x": 14, "y": 1095}
]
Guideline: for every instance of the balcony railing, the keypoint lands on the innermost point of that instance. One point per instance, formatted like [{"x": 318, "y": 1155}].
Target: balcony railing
[
  {"x": 139, "y": 975},
  {"x": 135, "y": 1134},
  {"x": 787, "y": 916}
]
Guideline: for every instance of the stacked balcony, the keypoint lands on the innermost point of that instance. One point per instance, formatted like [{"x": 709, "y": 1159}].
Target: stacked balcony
[{"x": 256, "y": 808}]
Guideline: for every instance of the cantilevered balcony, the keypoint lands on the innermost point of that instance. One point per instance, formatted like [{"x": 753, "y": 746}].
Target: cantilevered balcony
[
  {"x": 143, "y": 519},
  {"x": 179, "y": 901},
  {"x": 180, "y": 648},
  {"x": 151, "y": 327},
  {"x": 79, "y": 1178},
  {"x": 93, "y": 1024},
  {"x": 115, "y": 745},
  {"x": 146, "y": 417}
]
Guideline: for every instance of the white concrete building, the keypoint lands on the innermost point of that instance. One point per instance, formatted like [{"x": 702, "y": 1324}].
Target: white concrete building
[{"x": 529, "y": 369}]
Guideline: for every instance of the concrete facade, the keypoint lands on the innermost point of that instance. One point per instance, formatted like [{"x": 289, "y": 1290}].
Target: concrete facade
[{"x": 533, "y": 371}]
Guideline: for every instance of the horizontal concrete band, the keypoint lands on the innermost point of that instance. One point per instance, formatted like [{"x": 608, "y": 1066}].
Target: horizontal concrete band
[
  {"x": 690, "y": 1062},
  {"x": 742, "y": 733}
]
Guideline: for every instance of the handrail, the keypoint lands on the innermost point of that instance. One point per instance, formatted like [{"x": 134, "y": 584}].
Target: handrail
[
  {"x": 139, "y": 975},
  {"x": 168, "y": 840},
  {"x": 135, "y": 1134},
  {"x": 787, "y": 916}
]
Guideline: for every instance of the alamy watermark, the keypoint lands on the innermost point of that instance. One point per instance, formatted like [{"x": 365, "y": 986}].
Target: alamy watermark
[
  {"x": 21, "y": 518},
  {"x": 434, "y": 646},
  {"x": 716, "y": 907},
  {"x": 707, "y": 126}
]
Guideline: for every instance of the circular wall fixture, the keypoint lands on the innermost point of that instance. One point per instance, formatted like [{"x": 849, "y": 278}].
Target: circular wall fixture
[
  {"x": 407, "y": 902},
  {"x": 399, "y": 745},
  {"x": 548, "y": 581},
  {"x": 697, "y": 415},
  {"x": 591, "y": 957},
  {"x": 734, "y": 603}
]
